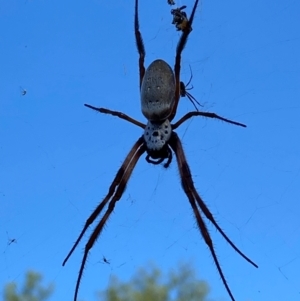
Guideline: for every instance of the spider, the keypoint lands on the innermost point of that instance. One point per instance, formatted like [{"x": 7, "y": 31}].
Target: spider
[
  {"x": 160, "y": 93},
  {"x": 184, "y": 92}
]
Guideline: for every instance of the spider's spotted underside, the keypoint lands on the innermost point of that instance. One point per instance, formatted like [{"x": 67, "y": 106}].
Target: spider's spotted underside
[{"x": 160, "y": 89}]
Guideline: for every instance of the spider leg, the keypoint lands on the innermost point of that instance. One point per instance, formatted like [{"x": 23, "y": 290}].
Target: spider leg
[
  {"x": 179, "y": 49},
  {"x": 190, "y": 78},
  {"x": 126, "y": 167},
  {"x": 205, "y": 209},
  {"x": 155, "y": 162},
  {"x": 192, "y": 194},
  {"x": 116, "y": 191},
  {"x": 210, "y": 217},
  {"x": 118, "y": 114},
  {"x": 205, "y": 114},
  {"x": 168, "y": 156},
  {"x": 193, "y": 100},
  {"x": 139, "y": 42}
]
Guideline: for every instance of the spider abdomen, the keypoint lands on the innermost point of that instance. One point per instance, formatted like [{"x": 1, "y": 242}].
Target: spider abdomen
[
  {"x": 157, "y": 91},
  {"x": 157, "y": 135}
]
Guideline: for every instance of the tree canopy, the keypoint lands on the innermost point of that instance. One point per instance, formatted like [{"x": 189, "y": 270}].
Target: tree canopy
[
  {"x": 150, "y": 284},
  {"x": 147, "y": 284},
  {"x": 31, "y": 290}
]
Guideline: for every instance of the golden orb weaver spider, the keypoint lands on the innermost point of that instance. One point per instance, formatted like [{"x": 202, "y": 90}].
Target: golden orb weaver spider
[{"x": 161, "y": 90}]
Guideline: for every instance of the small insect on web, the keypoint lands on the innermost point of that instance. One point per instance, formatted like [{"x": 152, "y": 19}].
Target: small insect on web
[
  {"x": 105, "y": 260},
  {"x": 10, "y": 240},
  {"x": 23, "y": 91},
  {"x": 180, "y": 19},
  {"x": 160, "y": 89}
]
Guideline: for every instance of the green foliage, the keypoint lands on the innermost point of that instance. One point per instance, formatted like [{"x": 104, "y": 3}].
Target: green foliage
[
  {"x": 145, "y": 285},
  {"x": 150, "y": 285},
  {"x": 32, "y": 289}
]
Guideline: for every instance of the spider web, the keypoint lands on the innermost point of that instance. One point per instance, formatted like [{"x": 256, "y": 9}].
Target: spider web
[{"x": 58, "y": 159}]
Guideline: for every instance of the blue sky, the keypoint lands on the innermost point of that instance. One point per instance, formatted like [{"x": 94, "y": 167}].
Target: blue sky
[{"x": 58, "y": 158}]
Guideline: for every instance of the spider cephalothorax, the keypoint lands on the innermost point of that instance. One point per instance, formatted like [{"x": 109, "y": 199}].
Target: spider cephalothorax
[{"x": 161, "y": 89}]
